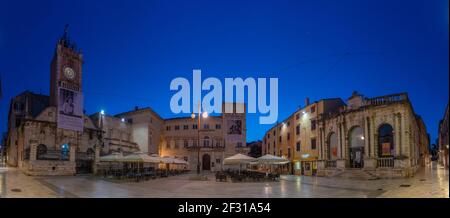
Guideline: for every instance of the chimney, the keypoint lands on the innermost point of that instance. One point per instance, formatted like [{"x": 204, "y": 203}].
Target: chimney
[{"x": 306, "y": 101}]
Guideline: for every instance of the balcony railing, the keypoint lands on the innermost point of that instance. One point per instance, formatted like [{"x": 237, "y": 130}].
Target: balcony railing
[
  {"x": 204, "y": 146},
  {"x": 385, "y": 162},
  {"x": 381, "y": 100},
  {"x": 330, "y": 164}
]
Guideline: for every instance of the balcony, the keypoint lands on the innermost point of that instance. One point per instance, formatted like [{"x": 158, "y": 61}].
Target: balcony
[
  {"x": 194, "y": 147},
  {"x": 387, "y": 99},
  {"x": 330, "y": 164}
]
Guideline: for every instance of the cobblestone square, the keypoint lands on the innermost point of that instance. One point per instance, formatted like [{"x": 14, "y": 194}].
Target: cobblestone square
[{"x": 431, "y": 182}]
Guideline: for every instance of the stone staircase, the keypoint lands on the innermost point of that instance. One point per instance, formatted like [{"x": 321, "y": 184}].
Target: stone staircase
[{"x": 358, "y": 174}]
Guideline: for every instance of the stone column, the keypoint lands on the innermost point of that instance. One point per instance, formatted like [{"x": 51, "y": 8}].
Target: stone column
[
  {"x": 324, "y": 146},
  {"x": 369, "y": 159},
  {"x": 397, "y": 141},
  {"x": 339, "y": 141},
  {"x": 96, "y": 160},
  {"x": 97, "y": 153},
  {"x": 404, "y": 135},
  {"x": 366, "y": 137},
  {"x": 345, "y": 143},
  {"x": 320, "y": 144},
  {"x": 373, "y": 138},
  {"x": 72, "y": 153},
  {"x": 33, "y": 152}
]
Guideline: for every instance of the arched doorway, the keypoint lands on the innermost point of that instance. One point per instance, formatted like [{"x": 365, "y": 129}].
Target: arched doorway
[
  {"x": 206, "y": 162},
  {"x": 385, "y": 141},
  {"x": 356, "y": 147},
  {"x": 332, "y": 146},
  {"x": 84, "y": 161}
]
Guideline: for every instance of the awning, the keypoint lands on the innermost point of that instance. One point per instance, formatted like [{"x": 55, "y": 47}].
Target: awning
[
  {"x": 271, "y": 159},
  {"x": 171, "y": 160},
  {"x": 114, "y": 157},
  {"x": 140, "y": 158},
  {"x": 238, "y": 159},
  {"x": 133, "y": 157}
]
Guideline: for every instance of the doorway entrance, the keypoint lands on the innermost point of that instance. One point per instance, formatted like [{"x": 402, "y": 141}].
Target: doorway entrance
[
  {"x": 356, "y": 147},
  {"x": 206, "y": 162}
]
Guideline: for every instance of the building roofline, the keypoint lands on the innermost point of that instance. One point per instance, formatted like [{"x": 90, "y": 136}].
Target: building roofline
[
  {"x": 139, "y": 110},
  {"x": 182, "y": 118}
]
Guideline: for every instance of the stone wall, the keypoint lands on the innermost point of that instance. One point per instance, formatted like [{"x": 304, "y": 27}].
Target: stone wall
[{"x": 49, "y": 168}]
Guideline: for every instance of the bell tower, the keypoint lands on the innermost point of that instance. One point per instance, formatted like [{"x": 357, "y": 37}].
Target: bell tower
[
  {"x": 65, "y": 68},
  {"x": 66, "y": 84}
]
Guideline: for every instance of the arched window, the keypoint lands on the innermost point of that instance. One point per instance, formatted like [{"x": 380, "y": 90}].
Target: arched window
[
  {"x": 332, "y": 146},
  {"x": 206, "y": 141},
  {"x": 356, "y": 137},
  {"x": 385, "y": 140},
  {"x": 41, "y": 151}
]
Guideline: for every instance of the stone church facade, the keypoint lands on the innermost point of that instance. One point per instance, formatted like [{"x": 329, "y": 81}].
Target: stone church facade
[{"x": 38, "y": 142}]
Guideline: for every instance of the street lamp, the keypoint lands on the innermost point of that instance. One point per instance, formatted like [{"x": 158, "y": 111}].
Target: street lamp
[{"x": 204, "y": 115}]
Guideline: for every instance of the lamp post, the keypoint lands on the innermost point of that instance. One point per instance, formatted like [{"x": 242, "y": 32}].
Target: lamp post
[
  {"x": 102, "y": 114},
  {"x": 204, "y": 115}
]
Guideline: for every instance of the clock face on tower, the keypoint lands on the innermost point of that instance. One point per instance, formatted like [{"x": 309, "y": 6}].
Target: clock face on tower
[{"x": 69, "y": 73}]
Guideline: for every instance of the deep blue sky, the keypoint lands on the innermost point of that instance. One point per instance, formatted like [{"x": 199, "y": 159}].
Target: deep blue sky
[{"x": 320, "y": 49}]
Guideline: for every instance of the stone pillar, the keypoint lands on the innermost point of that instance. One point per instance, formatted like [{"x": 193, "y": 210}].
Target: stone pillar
[
  {"x": 345, "y": 143},
  {"x": 404, "y": 135},
  {"x": 397, "y": 141},
  {"x": 72, "y": 153},
  {"x": 320, "y": 144},
  {"x": 339, "y": 147},
  {"x": 95, "y": 164},
  {"x": 325, "y": 151},
  {"x": 33, "y": 152},
  {"x": 97, "y": 153},
  {"x": 373, "y": 138},
  {"x": 366, "y": 137}
]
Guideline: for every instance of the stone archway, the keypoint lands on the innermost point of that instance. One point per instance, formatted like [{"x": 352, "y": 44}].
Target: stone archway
[
  {"x": 332, "y": 153},
  {"x": 356, "y": 146},
  {"x": 206, "y": 162}
]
